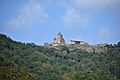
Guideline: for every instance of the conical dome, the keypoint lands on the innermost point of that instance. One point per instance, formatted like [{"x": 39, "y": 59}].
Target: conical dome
[
  {"x": 59, "y": 34},
  {"x": 59, "y": 39}
]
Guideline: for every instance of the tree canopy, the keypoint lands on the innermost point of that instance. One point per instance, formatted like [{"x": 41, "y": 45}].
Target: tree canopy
[{"x": 27, "y": 61}]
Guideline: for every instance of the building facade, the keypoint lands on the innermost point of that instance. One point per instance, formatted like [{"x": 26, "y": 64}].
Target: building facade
[
  {"x": 59, "y": 40},
  {"x": 73, "y": 42}
]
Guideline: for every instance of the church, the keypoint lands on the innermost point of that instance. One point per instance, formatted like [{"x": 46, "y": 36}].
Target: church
[{"x": 59, "y": 40}]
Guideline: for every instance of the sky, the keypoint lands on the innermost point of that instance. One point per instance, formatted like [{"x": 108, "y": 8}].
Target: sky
[{"x": 39, "y": 21}]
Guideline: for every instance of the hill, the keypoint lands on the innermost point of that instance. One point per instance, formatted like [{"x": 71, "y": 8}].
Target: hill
[{"x": 27, "y": 61}]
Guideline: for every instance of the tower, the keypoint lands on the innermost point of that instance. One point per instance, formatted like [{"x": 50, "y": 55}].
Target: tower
[{"x": 59, "y": 40}]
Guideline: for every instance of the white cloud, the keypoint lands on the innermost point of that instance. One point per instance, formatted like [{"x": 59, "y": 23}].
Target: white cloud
[
  {"x": 73, "y": 18},
  {"x": 105, "y": 34},
  {"x": 75, "y": 9},
  {"x": 96, "y": 3},
  {"x": 30, "y": 12}
]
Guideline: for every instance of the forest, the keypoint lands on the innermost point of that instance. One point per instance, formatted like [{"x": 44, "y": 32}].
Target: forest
[{"x": 28, "y": 61}]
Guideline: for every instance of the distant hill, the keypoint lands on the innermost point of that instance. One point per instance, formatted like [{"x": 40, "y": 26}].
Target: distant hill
[{"x": 27, "y": 61}]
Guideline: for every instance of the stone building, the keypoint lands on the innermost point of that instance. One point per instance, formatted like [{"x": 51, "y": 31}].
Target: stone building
[
  {"x": 74, "y": 42},
  {"x": 59, "y": 40}
]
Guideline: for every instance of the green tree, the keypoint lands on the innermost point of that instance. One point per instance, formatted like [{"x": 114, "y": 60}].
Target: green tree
[
  {"x": 12, "y": 73},
  {"x": 85, "y": 75}
]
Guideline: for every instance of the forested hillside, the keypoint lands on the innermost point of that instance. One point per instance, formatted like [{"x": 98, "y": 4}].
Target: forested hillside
[{"x": 27, "y": 61}]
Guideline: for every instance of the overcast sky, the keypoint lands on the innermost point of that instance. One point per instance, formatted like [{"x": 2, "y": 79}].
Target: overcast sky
[{"x": 39, "y": 21}]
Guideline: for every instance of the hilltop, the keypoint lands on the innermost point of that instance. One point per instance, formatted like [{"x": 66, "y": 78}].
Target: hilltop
[
  {"x": 78, "y": 44},
  {"x": 19, "y": 60}
]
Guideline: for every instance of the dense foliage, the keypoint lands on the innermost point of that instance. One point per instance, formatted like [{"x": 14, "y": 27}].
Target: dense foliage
[{"x": 27, "y": 61}]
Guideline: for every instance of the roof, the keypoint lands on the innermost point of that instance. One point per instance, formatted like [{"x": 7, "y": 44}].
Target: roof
[
  {"x": 76, "y": 41},
  {"x": 59, "y": 34}
]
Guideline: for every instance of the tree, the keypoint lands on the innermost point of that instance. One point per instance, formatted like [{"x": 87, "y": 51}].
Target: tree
[
  {"x": 118, "y": 44},
  {"x": 85, "y": 75},
  {"x": 12, "y": 73}
]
